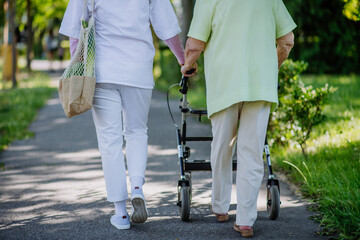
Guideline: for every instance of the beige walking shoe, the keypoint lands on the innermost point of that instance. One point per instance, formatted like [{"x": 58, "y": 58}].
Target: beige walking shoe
[
  {"x": 221, "y": 217},
  {"x": 246, "y": 231}
]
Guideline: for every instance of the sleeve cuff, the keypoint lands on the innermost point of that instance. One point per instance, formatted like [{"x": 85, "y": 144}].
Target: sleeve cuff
[
  {"x": 168, "y": 33},
  {"x": 285, "y": 31},
  {"x": 198, "y": 36},
  {"x": 70, "y": 34}
]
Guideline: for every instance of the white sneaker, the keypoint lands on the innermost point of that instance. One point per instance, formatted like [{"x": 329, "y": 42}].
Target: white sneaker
[
  {"x": 139, "y": 212},
  {"x": 120, "y": 222}
]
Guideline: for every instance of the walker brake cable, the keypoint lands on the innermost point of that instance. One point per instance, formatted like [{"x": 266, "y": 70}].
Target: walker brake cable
[{"x": 168, "y": 105}]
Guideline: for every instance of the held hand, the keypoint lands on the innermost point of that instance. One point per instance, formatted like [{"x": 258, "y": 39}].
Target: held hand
[{"x": 189, "y": 71}]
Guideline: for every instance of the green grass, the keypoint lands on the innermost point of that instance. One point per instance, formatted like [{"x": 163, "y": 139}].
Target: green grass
[
  {"x": 332, "y": 170},
  {"x": 345, "y": 103},
  {"x": 18, "y": 107}
]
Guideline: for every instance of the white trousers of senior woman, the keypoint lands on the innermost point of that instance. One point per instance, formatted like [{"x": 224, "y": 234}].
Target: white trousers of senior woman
[
  {"x": 245, "y": 124},
  {"x": 113, "y": 104}
]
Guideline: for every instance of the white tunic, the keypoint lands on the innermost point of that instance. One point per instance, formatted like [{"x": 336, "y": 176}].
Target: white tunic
[{"x": 124, "y": 44}]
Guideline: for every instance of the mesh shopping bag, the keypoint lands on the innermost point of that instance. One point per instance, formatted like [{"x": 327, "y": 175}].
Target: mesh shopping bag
[{"x": 77, "y": 84}]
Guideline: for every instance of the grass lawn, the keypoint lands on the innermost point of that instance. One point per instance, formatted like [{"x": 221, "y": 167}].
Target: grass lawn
[
  {"x": 331, "y": 175},
  {"x": 18, "y": 107}
]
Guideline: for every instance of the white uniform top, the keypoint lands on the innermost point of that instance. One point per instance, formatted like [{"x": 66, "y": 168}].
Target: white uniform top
[{"x": 124, "y": 44}]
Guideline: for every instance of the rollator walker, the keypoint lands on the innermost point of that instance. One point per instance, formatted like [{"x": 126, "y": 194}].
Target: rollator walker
[{"x": 187, "y": 166}]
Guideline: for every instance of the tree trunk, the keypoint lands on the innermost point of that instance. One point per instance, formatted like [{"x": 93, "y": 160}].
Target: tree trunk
[
  {"x": 29, "y": 36},
  {"x": 188, "y": 9},
  {"x": 12, "y": 8}
]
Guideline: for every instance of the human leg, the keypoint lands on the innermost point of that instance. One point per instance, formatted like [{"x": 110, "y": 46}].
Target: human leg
[
  {"x": 250, "y": 168},
  {"x": 224, "y": 125},
  {"x": 121, "y": 219},
  {"x": 107, "y": 118},
  {"x": 136, "y": 104}
]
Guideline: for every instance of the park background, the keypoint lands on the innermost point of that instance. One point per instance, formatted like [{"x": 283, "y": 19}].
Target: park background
[{"x": 315, "y": 133}]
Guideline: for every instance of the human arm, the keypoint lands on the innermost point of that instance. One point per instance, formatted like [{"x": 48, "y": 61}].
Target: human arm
[
  {"x": 70, "y": 25},
  {"x": 177, "y": 48},
  {"x": 193, "y": 50},
  {"x": 73, "y": 45},
  {"x": 284, "y": 46}
]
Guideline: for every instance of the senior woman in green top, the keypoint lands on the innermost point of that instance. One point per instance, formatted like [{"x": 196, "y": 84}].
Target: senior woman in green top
[{"x": 239, "y": 39}]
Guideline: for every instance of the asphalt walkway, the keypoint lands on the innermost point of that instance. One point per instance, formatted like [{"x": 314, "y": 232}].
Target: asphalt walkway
[{"x": 53, "y": 186}]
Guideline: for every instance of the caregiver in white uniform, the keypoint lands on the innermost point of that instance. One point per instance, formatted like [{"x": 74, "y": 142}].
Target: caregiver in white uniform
[{"x": 124, "y": 83}]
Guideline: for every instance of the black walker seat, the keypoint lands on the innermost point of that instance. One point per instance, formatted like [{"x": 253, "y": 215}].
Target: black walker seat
[{"x": 186, "y": 166}]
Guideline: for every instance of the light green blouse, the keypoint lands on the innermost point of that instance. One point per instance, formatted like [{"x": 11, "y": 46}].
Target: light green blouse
[{"x": 240, "y": 54}]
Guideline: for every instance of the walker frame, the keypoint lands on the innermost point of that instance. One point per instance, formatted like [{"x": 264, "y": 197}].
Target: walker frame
[{"x": 186, "y": 166}]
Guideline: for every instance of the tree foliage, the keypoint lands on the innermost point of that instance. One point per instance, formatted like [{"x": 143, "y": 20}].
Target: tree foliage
[
  {"x": 352, "y": 9},
  {"x": 45, "y": 15},
  {"x": 327, "y": 34}
]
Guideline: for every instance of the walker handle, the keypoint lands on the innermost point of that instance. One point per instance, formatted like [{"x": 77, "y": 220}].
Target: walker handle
[
  {"x": 184, "y": 82},
  {"x": 191, "y": 71}
]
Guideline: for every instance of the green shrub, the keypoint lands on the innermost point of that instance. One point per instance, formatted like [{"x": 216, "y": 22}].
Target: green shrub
[{"x": 300, "y": 107}]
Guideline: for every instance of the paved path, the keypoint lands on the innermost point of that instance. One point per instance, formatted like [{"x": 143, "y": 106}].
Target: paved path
[{"x": 53, "y": 186}]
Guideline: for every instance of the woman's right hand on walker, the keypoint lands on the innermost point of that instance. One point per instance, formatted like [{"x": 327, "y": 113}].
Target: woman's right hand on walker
[{"x": 189, "y": 71}]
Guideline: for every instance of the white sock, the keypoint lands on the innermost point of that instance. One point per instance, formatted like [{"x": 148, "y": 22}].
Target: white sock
[
  {"x": 120, "y": 208},
  {"x": 137, "y": 182}
]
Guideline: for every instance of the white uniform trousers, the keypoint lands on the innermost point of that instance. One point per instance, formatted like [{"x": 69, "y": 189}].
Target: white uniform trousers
[
  {"x": 246, "y": 124},
  {"x": 112, "y": 104}
]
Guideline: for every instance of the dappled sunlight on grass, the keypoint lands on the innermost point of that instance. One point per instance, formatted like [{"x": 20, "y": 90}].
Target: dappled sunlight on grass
[
  {"x": 346, "y": 98},
  {"x": 336, "y": 134}
]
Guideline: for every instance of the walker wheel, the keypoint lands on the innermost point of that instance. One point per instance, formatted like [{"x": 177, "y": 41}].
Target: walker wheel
[
  {"x": 273, "y": 202},
  {"x": 184, "y": 202}
]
